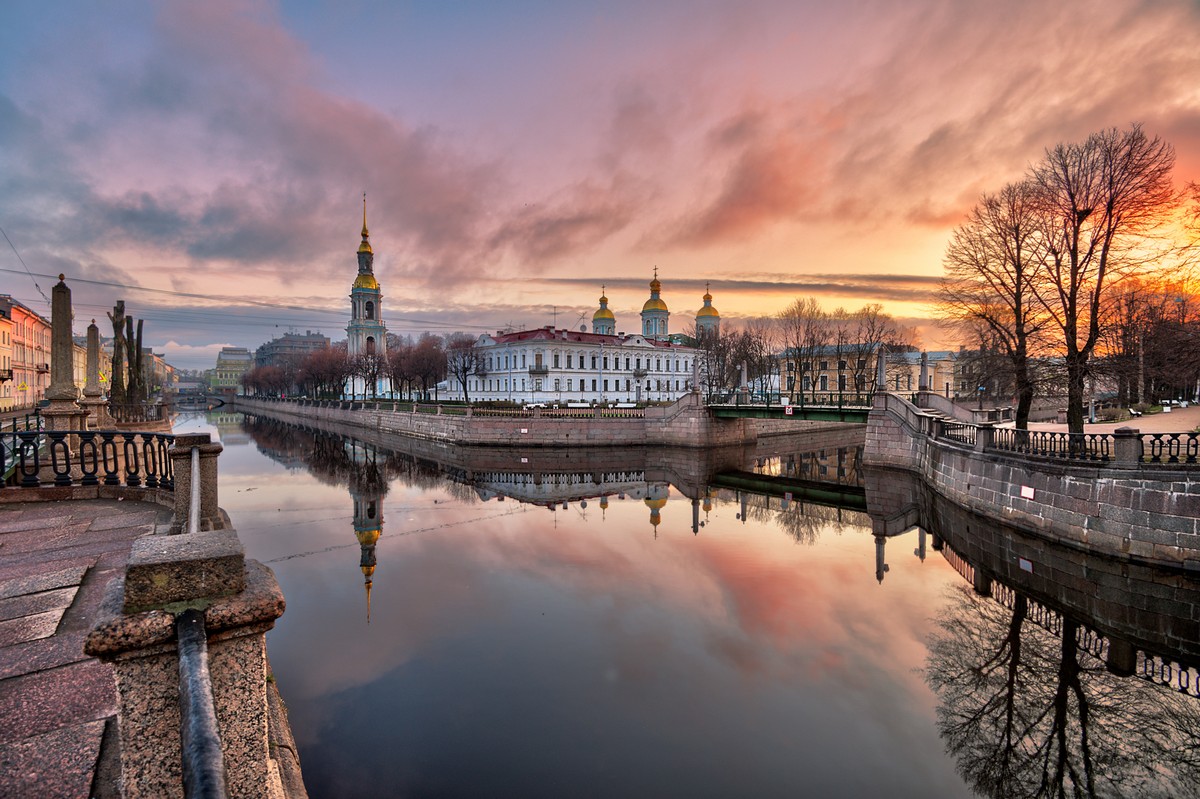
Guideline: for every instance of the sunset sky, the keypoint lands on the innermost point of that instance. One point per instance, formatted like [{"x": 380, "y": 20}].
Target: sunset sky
[{"x": 518, "y": 155}]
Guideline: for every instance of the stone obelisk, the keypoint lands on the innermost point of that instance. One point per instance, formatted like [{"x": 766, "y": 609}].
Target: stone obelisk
[
  {"x": 63, "y": 412},
  {"x": 93, "y": 395}
]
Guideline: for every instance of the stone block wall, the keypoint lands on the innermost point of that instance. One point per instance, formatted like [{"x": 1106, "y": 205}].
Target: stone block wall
[{"x": 1146, "y": 512}]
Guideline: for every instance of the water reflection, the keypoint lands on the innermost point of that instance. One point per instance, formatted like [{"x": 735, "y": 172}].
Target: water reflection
[{"x": 678, "y": 642}]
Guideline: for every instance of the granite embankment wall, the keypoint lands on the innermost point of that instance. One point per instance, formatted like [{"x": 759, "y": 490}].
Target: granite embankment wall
[
  {"x": 686, "y": 423},
  {"x": 1125, "y": 507}
]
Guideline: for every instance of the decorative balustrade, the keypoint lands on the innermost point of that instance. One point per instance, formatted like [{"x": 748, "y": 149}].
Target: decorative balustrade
[
  {"x": 103, "y": 457},
  {"x": 1171, "y": 447},
  {"x": 1049, "y": 444},
  {"x": 961, "y": 432}
]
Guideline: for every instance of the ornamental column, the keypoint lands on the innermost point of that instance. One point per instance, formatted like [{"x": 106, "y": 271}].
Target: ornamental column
[
  {"x": 64, "y": 413},
  {"x": 93, "y": 395}
]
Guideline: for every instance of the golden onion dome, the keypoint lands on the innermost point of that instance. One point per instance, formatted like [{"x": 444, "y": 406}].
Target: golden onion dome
[
  {"x": 366, "y": 282},
  {"x": 368, "y": 571},
  {"x": 708, "y": 310},
  {"x": 655, "y": 285},
  {"x": 365, "y": 246},
  {"x": 654, "y": 304},
  {"x": 656, "y": 504},
  {"x": 368, "y": 538},
  {"x": 603, "y": 313}
]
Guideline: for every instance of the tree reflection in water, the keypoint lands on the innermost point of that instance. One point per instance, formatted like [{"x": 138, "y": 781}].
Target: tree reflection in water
[{"x": 1027, "y": 712}]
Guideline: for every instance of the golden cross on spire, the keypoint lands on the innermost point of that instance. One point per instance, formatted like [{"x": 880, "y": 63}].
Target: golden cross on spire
[{"x": 364, "y": 233}]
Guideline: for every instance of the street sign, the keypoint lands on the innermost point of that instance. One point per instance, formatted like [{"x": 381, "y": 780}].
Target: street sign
[
  {"x": 22, "y": 387},
  {"x": 787, "y": 409}
]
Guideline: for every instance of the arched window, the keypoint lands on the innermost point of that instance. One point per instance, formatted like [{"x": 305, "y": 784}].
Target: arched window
[
  {"x": 370, "y": 344},
  {"x": 370, "y": 310}
]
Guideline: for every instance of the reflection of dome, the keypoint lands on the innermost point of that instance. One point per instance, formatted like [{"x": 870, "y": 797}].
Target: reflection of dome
[{"x": 366, "y": 282}]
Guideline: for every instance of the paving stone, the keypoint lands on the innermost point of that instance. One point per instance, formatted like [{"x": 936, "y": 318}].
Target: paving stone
[
  {"x": 29, "y": 604},
  {"x": 34, "y": 583},
  {"x": 29, "y": 628},
  {"x": 55, "y": 764},
  {"x": 43, "y": 653},
  {"x": 32, "y": 704}
]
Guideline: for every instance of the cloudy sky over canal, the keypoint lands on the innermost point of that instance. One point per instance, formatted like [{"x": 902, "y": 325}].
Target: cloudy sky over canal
[{"x": 517, "y": 156}]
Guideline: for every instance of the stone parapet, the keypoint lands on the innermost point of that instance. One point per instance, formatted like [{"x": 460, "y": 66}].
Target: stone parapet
[
  {"x": 1123, "y": 508},
  {"x": 142, "y": 648}
]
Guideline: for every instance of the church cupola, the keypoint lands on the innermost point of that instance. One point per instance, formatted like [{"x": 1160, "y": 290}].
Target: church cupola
[
  {"x": 654, "y": 313},
  {"x": 603, "y": 320},
  {"x": 708, "y": 321}
]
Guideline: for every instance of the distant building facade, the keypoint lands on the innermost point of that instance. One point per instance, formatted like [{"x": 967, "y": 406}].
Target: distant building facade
[
  {"x": 553, "y": 365},
  {"x": 232, "y": 363},
  {"x": 289, "y": 346},
  {"x": 6, "y": 371},
  {"x": 30, "y": 352}
]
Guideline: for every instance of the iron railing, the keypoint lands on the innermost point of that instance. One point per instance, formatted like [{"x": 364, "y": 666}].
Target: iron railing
[
  {"x": 103, "y": 457},
  {"x": 1050, "y": 444},
  {"x": 200, "y": 741},
  {"x": 1171, "y": 447}
]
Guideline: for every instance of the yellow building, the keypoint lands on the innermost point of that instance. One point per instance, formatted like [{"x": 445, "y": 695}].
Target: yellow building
[
  {"x": 30, "y": 352},
  {"x": 6, "y": 371}
]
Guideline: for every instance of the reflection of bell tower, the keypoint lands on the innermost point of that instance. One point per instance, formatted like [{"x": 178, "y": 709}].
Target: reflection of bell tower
[
  {"x": 366, "y": 490},
  {"x": 656, "y": 499}
]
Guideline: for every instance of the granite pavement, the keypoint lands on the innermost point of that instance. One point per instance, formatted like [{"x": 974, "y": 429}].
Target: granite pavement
[{"x": 58, "y": 707}]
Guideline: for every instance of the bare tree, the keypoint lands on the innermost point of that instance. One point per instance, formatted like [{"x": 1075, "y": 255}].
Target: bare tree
[
  {"x": 1100, "y": 202},
  {"x": 463, "y": 361},
  {"x": 804, "y": 332},
  {"x": 992, "y": 266}
]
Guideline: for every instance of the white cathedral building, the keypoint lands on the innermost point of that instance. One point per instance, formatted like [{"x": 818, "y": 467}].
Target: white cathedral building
[{"x": 554, "y": 365}]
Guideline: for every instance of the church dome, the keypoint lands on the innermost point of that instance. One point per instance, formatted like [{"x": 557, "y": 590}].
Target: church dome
[
  {"x": 654, "y": 304},
  {"x": 366, "y": 282},
  {"x": 708, "y": 310},
  {"x": 602, "y": 312}
]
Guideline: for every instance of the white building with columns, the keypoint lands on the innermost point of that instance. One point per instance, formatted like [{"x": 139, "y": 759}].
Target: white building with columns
[{"x": 555, "y": 365}]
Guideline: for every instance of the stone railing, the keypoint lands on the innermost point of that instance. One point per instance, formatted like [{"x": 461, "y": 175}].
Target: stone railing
[
  {"x": 1126, "y": 494},
  {"x": 185, "y": 631}
]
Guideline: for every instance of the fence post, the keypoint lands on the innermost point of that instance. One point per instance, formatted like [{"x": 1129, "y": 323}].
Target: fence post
[
  {"x": 1127, "y": 445},
  {"x": 181, "y": 466},
  {"x": 203, "y": 574},
  {"x": 985, "y": 436}
]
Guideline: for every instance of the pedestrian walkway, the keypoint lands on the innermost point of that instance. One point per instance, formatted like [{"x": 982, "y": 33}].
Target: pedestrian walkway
[
  {"x": 1179, "y": 420},
  {"x": 58, "y": 706}
]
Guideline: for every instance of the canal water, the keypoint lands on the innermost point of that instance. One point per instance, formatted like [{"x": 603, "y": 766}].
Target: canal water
[{"x": 550, "y": 624}]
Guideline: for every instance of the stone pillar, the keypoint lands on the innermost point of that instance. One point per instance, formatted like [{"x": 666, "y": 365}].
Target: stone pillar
[
  {"x": 920, "y": 550},
  {"x": 1122, "y": 657},
  {"x": 1127, "y": 445},
  {"x": 64, "y": 412},
  {"x": 93, "y": 395},
  {"x": 923, "y": 379},
  {"x": 880, "y": 371},
  {"x": 985, "y": 436},
  {"x": 881, "y": 567},
  {"x": 181, "y": 467},
  {"x": 982, "y": 583},
  {"x": 240, "y": 600}
]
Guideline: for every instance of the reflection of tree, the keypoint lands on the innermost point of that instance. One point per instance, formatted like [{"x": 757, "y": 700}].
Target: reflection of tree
[
  {"x": 1027, "y": 712},
  {"x": 803, "y": 521},
  {"x": 339, "y": 461}
]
